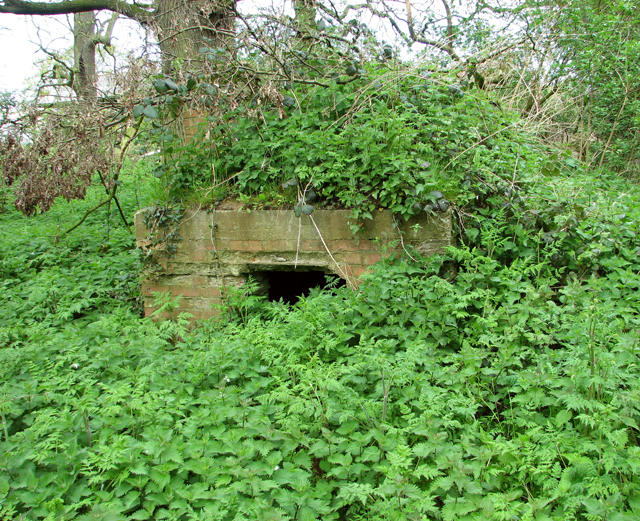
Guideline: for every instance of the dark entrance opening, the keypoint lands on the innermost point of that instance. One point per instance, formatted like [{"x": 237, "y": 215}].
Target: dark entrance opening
[{"x": 291, "y": 285}]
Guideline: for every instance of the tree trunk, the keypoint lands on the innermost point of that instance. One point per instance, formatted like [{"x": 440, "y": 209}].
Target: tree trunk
[
  {"x": 84, "y": 47},
  {"x": 184, "y": 26}
]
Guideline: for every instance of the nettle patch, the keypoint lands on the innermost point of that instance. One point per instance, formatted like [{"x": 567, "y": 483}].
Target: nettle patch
[
  {"x": 497, "y": 381},
  {"x": 424, "y": 395}
]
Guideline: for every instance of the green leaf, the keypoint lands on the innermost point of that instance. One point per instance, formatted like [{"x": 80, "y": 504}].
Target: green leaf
[
  {"x": 370, "y": 454},
  {"x": 306, "y": 209},
  {"x": 160, "y": 86},
  {"x": 151, "y": 112},
  {"x": 4, "y": 487},
  {"x": 171, "y": 84},
  {"x": 307, "y": 514},
  {"x": 159, "y": 477}
]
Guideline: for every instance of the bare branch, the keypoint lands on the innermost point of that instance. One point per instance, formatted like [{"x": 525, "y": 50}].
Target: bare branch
[{"x": 134, "y": 11}]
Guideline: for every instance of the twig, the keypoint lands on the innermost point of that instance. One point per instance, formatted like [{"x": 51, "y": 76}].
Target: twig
[
  {"x": 344, "y": 275},
  {"x": 385, "y": 399},
  {"x": 298, "y": 243},
  {"x": 402, "y": 239},
  {"x": 301, "y": 198},
  {"x": 88, "y": 213}
]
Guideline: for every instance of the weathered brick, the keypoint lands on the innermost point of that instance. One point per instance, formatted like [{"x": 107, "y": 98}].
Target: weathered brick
[
  {"x": 220, "y": 244},
  {"x": 373, "y": 258},
  {"x": 308, "y": 245},
  {"x": 277, "y": 246},
  {"x": 245, "y": 245},
  {"x": 206, "y": 315},
  {"x": 345, "y": 245},
  {"x": 352, "y": 258},
  {"x": 149, "y": 290},
  {"x": 358, "y": 270},
  {"x": 199, "y": 256},
  {"x": 185, "y": 292},
  {"x": 210, "y": 292},
  {"x": 246, "y": 242},
  {"x": 201, "y": 245}
]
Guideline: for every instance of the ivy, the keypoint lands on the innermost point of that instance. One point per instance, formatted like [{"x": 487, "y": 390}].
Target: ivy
[{"x": 387, "y": 140}]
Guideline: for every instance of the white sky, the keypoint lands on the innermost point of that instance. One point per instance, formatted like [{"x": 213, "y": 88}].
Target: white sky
[
  {"x": 18, "y": 55},
  {"x": 20, "y": 35}
]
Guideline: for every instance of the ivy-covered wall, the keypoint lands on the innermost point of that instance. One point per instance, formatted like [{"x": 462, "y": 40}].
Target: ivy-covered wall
[{"x": 201, "y": 254}]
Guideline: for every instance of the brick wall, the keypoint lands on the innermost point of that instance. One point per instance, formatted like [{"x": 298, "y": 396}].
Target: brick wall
[
  {"x": 219, "y": 249},
  {"x": 192, "y": 119}
]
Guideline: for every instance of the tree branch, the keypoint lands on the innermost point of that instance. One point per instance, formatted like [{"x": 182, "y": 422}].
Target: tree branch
[{"x": 25, "y": 7}]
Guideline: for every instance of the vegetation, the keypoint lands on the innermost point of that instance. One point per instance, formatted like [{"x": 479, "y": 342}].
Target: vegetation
[
  {"x": 385, "y": 141},
  {"x": 496, "y": 381}
]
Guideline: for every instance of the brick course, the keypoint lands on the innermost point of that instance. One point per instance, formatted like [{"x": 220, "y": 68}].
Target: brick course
[{"x": 242, "y": 243}]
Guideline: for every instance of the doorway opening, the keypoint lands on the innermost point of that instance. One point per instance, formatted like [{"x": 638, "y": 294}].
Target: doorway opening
[{"x": 289, "y": 286}]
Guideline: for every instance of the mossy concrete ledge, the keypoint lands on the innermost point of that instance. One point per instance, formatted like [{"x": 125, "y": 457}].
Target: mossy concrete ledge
[{"x": 208, "y": 251}]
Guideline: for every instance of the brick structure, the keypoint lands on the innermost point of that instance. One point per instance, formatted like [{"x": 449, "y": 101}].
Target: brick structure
[
  {"x": 192, "y": 120},
  {"x": 219, "y": 249}
]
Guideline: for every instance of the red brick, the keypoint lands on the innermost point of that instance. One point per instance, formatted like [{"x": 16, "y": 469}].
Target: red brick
[
  {"x": 209, "y": 292},
  {"x": 149, "y": 290},
  {"x": 358, "y": 270},
  {"x": 352, "y": 258},
  {"x": 185, "y": 292},
  {"x": 373, "y": 258},
  {"x": 199, "y": 280},
  {"x": 163, "y": 316},
  {"x": 198, "y": 256},
  {"x": 346, "y": 245},
  {"x": 245, "y": 245},
  {"x": 278, "y": 246},
  {"x": 202, "y": 245},
  {"x": 220, "y": 244},
  {"x": 312, "y": 246}
]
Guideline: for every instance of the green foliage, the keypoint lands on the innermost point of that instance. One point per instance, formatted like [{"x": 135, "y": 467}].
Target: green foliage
[
  {"x": 384, "y": 141},
  {"x": 498, "y": 381},
  {"x": 163, "y": 223},
  {"x": 598, "y": 61},
  {"x": 238, "y": 302}
]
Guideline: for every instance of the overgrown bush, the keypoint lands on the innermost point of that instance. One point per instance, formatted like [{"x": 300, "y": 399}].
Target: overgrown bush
[{"x": 385, "y": 140}]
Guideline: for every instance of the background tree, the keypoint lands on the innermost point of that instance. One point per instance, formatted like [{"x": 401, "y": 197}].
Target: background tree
[{"x": 178, "y": 26}]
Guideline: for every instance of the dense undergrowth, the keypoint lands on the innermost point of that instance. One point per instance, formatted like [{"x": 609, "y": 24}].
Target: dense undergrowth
[
  {"x": 498, "y": 381},
  {"x": 386, "y": 139}
]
